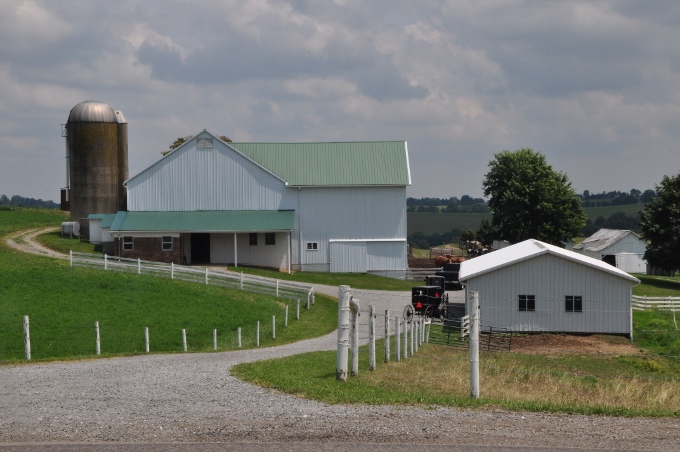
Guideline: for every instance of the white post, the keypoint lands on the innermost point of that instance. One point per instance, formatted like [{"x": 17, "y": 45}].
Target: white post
[
  {"x": 97, "y": 344},
  {"x": 235, "y": 251},
  {"x": 371, "y": 337},
  {"x": 290, "y": 257},
  {"x": 343, "y": 332},
  {"x": 241, "y": 281},
  {"x": 238, "y": 335},
  {"x": 311, "y": 295},
  {"x": 354, "y": 339},
  {"x": 474, "y": 344},
  {"x": 27, "y": 339},
  {"x": 277, "y": 287},
  {"x": 411, "y": 338},
  {"x": 106, "y": 262},
  {"x": 184, "y": 339},
  {"x": 206, "y": 275},
  {"x": 70, "y": 257},
  {"x": 215, "y": 339},
  {"x": 257, "y": 334},
  {"x": 146, "y": 339},
  {"x": 416, "y": 334},
  {"x": 297, "y": 307},
  {"x": 139, "y": 266},
  {"x": 172, "y": 270},
  {"x": 387, "y": 336},
  {"x": 273, "y": 327},
  {"x": 285, "y": 320},
  {"x": 405, "y": 339},
  {"x": 397, "y": 339}
]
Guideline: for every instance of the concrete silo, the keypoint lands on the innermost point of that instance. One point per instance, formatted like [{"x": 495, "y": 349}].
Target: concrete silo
[{"x": 96, "y": 147}]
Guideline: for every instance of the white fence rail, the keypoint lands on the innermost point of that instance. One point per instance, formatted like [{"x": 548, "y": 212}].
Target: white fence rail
[
  {"x": 640, "y": 303},
  {"x": 419, "y": 274},
  {"x": 202, "y": 275}
]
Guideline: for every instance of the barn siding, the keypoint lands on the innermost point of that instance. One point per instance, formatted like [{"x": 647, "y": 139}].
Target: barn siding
[{"x": 606, "y": 298}]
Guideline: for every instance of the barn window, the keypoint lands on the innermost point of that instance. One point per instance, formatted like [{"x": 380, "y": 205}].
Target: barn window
[
  {"x": 204, "y": 143},
  {"x": 312, "y": 246},
  {"x": 573, "y": 303},
  {"x": 167, "y": 243},
  {"x": 270, "y": 238},
  {"x": 253, "y": 238},
  {"x": 527, "y": 302},
  {"x": 128, "y": 244}
]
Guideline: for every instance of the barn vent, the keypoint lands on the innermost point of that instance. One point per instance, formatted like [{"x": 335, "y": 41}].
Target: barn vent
[{"x": 204, "y": 143}]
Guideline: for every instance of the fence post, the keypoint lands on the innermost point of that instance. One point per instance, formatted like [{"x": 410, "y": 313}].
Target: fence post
[
  {"x": 343, "y": 333},
  {"x": 146, "y": 339},
  {"x": 215, "y": 339},
  {"x": 285, "y": 320},
  {"x": 397, "y": 339},
  {"x": 184, "y": 339},
  {"x": 257, "y": 334},
  {"x": 411, "y": 338},
  {"x": 297, "y": 307},
  {"x": 405, "y": 339},
  {"x": 97, "y": 346},
  {"x": 308, "y": 303},
  {"x": 474, "y": 344},
  {"x": 27, "y": 338},
  {"x": 371, "y": 337},
  {"x": 414, "y": 336},
  {"x": 387, "y": 336},
  {"x": 139, "y": 266},
  {"x": 241, "y": 281},
  {"x": 273, "y": 327},
  {"x": 172, "y": 270},
  {"x": 277, "y": 287},
  {"x": 354, "y": 339},
  {"x": 238, "y": 335},
  {"x": 70, "y": 258},
  {"x": 313, "y": 295},
  {"x": 206, "y": 276},
  {"x": 106, "y": 262}
]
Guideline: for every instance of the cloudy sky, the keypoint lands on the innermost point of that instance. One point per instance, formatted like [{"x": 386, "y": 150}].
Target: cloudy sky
[{"x": 593, "y": 85}]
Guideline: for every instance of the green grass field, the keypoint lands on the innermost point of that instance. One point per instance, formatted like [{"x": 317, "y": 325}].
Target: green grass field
[
  {"x": 439, "y": 223},
  {"x": 63, "y": 304}
]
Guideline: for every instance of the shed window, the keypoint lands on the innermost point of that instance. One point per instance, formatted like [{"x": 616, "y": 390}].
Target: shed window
[
  {"x": 573, "y": 303},
  {"x": 167, "y": 243},
  {"x": 128, "y": 243},
  {"x": 253, "y": 238},
  {"x": 527, "y": 302},
  {"x": 270, "y": 238},
  {"x": 312, "y": 246}
]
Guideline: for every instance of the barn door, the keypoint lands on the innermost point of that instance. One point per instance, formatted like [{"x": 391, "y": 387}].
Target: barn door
[{"x": 348, "y": 257}]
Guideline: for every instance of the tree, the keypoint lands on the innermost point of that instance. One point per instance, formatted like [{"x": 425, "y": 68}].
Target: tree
[
  {"x": 528, "y": 199},
  {"x": 181, "y": 140},
  {"x": 660, "y": 225}
]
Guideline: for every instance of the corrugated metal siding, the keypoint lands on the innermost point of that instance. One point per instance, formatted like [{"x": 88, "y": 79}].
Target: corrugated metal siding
[
  {"x": 348, "y": 257},
  {"x": 207, "y": 179},
  {"x": 606, "y": 298},
  {"x": 349, "y": 213},
  {"x": 205, "y": 221},
  {"x": 324, "y": 164},
  {"x": 386, "y": 256}
]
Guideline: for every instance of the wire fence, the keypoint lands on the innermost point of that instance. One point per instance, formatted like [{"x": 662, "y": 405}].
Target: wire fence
[{"x": 201, "y": 275}]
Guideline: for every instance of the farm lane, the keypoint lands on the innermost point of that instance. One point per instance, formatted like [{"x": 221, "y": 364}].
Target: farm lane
[
  {"x": 29, "y": 244},
  {"x": 192, "y": 397}
]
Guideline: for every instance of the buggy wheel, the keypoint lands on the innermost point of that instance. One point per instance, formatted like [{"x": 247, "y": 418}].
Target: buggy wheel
[
  {"x": 408, "y": 312},
  {"x": 429, "y": 312}
]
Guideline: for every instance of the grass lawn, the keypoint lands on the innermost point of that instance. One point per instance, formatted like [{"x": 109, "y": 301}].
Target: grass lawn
[{"x": 63, "y": 303}]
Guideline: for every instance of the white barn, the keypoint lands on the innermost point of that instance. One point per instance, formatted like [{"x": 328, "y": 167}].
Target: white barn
[
  {"x": 537, "y": 287},
  {"x": 621, "y": 248},
  {"x": 338, "y": 207}
]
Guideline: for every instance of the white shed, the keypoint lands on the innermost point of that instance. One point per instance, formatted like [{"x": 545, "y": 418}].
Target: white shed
[
  {"x": 621, "y": 248},
  {"x": 537, "y": 287}
]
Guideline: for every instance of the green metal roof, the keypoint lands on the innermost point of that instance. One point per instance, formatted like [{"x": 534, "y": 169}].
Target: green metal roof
[
  {"x": 206, "y": 221},
  {"x": 340, "y": 164}
]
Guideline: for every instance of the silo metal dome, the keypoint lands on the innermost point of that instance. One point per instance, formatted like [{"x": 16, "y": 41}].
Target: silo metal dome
[{"x": 92, "y": 111}]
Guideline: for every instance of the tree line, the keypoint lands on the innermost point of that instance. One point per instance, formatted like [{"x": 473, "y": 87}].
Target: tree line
[{"x": 20, "y": 201}]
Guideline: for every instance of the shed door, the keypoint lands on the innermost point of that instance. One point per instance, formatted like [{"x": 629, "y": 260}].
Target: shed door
[{"x": 348, "y": 257}]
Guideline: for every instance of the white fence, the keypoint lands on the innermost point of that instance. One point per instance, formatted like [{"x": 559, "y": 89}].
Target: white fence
[
  {"x": 233, "y": 280},
  {"x": 640, "y": 303},
  {"x": 419, "y": 274}
]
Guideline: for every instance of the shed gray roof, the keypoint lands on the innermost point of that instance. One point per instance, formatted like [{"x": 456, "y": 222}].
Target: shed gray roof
[
  {"x": 530, "y": 249},
  {"x": 603, "y": 239}
]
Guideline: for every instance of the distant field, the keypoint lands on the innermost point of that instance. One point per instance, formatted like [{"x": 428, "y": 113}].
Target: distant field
[{"x": 431, "y": 223}]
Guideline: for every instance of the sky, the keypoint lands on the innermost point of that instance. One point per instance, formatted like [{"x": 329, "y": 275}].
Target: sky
[{"x": 592, "y": 85}]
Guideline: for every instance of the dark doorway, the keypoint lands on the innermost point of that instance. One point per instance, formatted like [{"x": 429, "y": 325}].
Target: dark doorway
[
  {"x": 610, "y": 259},
  {"x": 200, "y": 248}
]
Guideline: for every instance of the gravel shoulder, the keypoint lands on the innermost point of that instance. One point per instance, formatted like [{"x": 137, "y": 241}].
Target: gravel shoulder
[{"x": 193, "y": 398}]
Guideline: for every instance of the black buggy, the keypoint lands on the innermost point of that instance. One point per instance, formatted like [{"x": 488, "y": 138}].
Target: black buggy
[{"x": 429, "y": 300}]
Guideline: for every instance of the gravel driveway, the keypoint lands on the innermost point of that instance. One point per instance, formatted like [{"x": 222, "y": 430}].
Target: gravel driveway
[{"x": 193, "y": 398}]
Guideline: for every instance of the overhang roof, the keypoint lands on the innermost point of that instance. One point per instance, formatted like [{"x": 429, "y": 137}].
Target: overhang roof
[
  {"x": 530, "y": 249},
  {"x": 603, "y": 239},
  {"x": 205, "y": 221}
]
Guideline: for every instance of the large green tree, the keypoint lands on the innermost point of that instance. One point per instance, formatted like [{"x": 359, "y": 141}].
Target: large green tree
[
  {"x": 660, "y": 225},
  {"x": 530, "y": 200}
]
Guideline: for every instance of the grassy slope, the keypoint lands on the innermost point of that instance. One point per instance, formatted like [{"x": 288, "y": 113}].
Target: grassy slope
[{"x": 63, "y": 303}]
